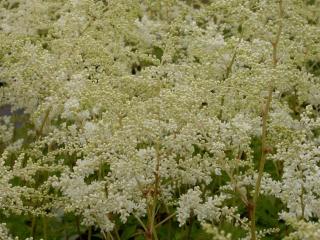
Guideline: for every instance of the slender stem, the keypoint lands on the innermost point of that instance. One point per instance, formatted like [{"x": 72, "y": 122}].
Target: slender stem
[
  {"x": 301, "y": 196},
  {"x": 45, "y": 119},
  {"x": 253, "y": 205},
  {"x": 170, "y": 228},
  {"x": 100, "y": 176},
  {"x": 136, "y": 234},
  {"x": 265, "y": 115},
  {"x": 65, "y": 233},
  {"x": 78, "y": 226},
  {"x": 116, "y": 233},
  {"x": 236, "y": 188},
  {"x": 227, "y": 74},
  {"x": 110, "y": 236},
  {"x": 90, "y": 233},
  {"x": 105, "y": 237},
  {"x": 149, "y": 231},
  {"x": 141, "y": 223},
  {"x": 302, "y": 202},
  {"x": 45, "y": 227},
  {"x": 33, "y": 226},
  {"x": 277, "y": 168},
  {"x": 154, "y": 232},
  {"x": 166, "y": 219},
  {"x": 152, "y": 208},
  {"x": 190, "y": 227}
]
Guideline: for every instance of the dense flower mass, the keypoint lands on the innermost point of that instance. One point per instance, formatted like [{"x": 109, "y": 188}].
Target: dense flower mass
[{"x": 173, "y": 119}]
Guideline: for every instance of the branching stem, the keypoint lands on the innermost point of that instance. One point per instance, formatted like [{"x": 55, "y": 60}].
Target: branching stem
[{"x": 265, "y": 115}]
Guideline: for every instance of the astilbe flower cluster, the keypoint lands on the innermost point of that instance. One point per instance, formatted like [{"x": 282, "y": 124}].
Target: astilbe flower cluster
[{"x": 121, "y": 109}]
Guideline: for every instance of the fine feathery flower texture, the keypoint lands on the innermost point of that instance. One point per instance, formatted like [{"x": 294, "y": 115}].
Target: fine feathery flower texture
[{"x": 201, "y": 116}]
